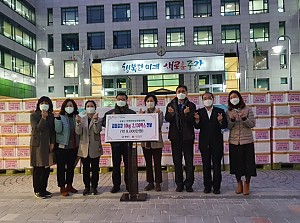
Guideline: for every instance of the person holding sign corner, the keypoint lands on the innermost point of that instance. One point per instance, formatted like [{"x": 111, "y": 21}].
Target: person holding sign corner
[
  {"x": 88, "y": 128},
  {"x": 180, "y": 114},
  {"x": 119, "y": 149},
  {"x": 211, "y": 120},
  {"x": 153, "y": 149}
]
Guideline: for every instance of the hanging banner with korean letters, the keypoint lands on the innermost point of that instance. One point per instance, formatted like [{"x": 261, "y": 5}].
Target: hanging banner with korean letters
[
  {"x": 132, "y": 127},
  {"x": 162, "y": 66}
]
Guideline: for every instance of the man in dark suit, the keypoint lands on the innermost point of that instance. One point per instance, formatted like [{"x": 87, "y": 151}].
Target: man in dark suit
[
  {"x": 180, "y": 114},
  {"x": 210, "y": 120},
  {"x": 119, "y": 149}
]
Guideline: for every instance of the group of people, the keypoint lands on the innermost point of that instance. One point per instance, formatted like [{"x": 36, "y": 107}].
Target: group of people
[{"x": 71, "y": 135}]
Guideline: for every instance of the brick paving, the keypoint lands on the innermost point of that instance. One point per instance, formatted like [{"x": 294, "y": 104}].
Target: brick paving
[{"x": 274, "y": 198}]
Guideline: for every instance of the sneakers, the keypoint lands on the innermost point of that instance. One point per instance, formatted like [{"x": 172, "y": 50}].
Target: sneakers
[
  {"x": 47, "y": 194},
  {"x": 71, "y": 189},
  {"x": 114, "y": 189},
  {"x": 150, "y": 186},
  {"x": 40, "y": 195},
  {"x": 94, "y": 191},
  {"x": 86, "y": 191}
]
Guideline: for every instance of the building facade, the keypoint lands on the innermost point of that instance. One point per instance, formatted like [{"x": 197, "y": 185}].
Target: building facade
[{"x": 79, "y": 36}]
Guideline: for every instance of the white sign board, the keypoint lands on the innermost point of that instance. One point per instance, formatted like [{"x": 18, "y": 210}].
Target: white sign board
[
  {"x": 162, "y": 66},
  {"x": 131, "y": 127}
]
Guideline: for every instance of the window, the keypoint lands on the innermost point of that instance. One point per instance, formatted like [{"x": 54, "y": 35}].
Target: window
[
  {"x": 230, "y": 7},
  {"x": 50, "y": 17},
  {"x": 112, "y": 86},
  {"x": 122, "y": 39},
  {"x": 50, "y": 43},
  {"x": 70, "y": 42},
  {"x": 148, "y": 11},
  {"x": 70, "y": 68},
  {"x": 166, "y": 81},
  {"x": 175, "y": 37},
  {"x": 283, "y": 59},
  {"x": 69, "y": 16},
  {"x": 259, "y": 32},
  {"x": 121, "y": 12},
  {"x": 203, "y": 35},
  {"x": 260, "y": 60},
  {"x": 96, "y": 41},
  {"x": 281, "y": 30},
  {"x": 231, "y": 34},
  {"x": 95, "y": 14},
  {"x": 283, "y": 80},
  {"x": 174, "y": 10},
  {"x": 209, "y": 83},
  {"x": 71, "y": 91},
  {"x": 51, "y": 89},
  {"x": 201, "y": 8},
  {"x": 281, "y": 6},
  {"x": 258, "y": 6},
  {"x": 262, "y": 84},
  {"x": 148, "y": 38},
  {"x": 51, "y": 71}
]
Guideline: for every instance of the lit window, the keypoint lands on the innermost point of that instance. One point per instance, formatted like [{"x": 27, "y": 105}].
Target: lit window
[
  {"x": 71, "y": 68},
  {"x": 258, "y": 6},
  {"x": 259, "y": 32},
  {"x": 203, "y": 35},
  {"x": 175, "y": 36},
  {"x": 231, "y": 34},
  {"x": 148, "y": 38},
  {"x": 69, "y": 16},
  {"x": 230, "y": 7},
  {"x": 260, "y": 60},
  {"x": 174, "y": 9}
]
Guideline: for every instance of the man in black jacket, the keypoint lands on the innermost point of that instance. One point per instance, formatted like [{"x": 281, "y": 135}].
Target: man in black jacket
[
  {"x": 210, "y": 120},
  {"x": 119, "y": 149},
  {"x": 180, "y": 114}
]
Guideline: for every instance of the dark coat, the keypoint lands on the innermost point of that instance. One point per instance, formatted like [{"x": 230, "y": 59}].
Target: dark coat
[
  {"x": 210, "y": 129},
  {"x": 117, "y": 110},
  {"x": 181, "y": 125},
  {"x": 42, "y": 135}
]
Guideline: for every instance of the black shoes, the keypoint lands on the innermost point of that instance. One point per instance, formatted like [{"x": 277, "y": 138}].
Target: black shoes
[
  {"x": 150, "y": 186},
  {"x": 189, "y": 189},
  {"x": 114, "y": 189},
  {"x": 216, "y": 191},
  {"x": 179, "y": 189},
  {"x": 47, "y": 194},
  {"x": 94, "y": 191},
  {"x": 86, "y": 191},
  {"x": 40, "y": 195},
  {"x": 206, "y": 190}
]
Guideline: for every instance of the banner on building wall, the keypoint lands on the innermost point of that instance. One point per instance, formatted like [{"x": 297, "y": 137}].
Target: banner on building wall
[
  {"x": 132, "y": 127},
  {"x": 162, "y": 66}
]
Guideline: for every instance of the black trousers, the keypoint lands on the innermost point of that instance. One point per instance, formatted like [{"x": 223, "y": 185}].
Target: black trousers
[
  {"x": 120, "y": 150},
  {"x": 215, "y": 155},
  {"x": 183, "y": 148},
  {"x": 90, "y": 165},
  {"x": 40, "y": 178},
  {"x": 156, "y": 154},
  {"x": 65, "y": 159}
]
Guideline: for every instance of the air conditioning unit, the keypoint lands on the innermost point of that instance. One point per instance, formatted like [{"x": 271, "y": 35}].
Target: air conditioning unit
[{"x": 283, "y": 66}]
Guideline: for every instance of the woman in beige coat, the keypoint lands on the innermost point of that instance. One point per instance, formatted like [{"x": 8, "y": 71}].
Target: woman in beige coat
[
  {"x": 90, "y": 148},
  {"x": 153, "y": 149},
  {"x": 241, "y": 144}
]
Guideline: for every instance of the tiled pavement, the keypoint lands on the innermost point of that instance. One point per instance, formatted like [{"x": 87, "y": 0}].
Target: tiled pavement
[{"x": 274, "y": 198}]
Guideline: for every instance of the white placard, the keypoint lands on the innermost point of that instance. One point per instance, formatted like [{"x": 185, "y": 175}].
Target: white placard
[{"x": 132, "y": 127}]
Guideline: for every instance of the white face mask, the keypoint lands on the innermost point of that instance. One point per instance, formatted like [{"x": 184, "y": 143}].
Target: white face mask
[
  {"x": 208, "y": 103},
  {"x": 181, "y": 96},
  {"x": 90, "y": 110},
  {"x": 44, "y": 107},
  {"x": 69, "y": 110},
  {"x": 234, "y": 101},
  {"x": 121, "y": 103},
  {"x": 150, "y": 104}
]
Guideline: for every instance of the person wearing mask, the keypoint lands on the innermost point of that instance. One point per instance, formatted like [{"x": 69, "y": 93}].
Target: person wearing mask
[
  {"x": 153, "y": 149},
  {"x": 67, "y": 142},
  {"x": 42, "y": 142},
  {"x": 241, "y": 120},
  {"x": 90, "y": 148},
  {"x": 180, "y": 114},
  {"x": 119, "y": 149},
  {"x": 211, "y": 120}
]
